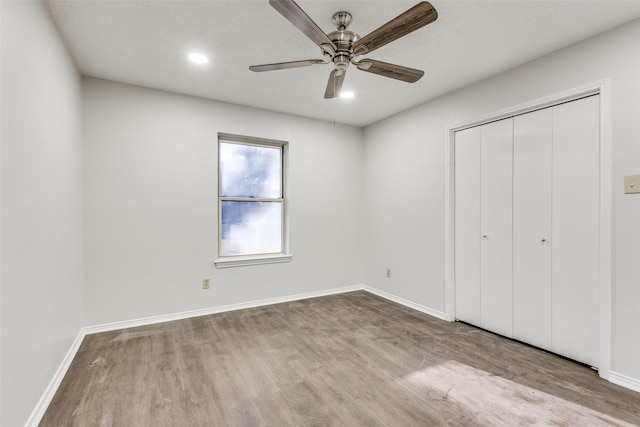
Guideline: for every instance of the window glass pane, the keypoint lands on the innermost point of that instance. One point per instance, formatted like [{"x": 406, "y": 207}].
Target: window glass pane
[
  {"x": 251, "y": 228},
  {"x": 250, "y": 171}
]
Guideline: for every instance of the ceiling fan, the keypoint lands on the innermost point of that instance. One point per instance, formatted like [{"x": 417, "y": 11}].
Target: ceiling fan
[{"x": 343, "y": 46}]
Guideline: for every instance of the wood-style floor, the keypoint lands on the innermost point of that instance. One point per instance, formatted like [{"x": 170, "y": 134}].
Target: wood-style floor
[{"x": 345, "y": 360}]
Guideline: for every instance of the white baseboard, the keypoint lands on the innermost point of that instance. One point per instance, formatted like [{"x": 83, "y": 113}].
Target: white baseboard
[
  {"x": 435, "y": 313},
  {"x": 258, "y": 303},
  {"x": 213, "y": 310},
  {"x": 624, "y": 381},
  {"x": 47, "y": 396}
]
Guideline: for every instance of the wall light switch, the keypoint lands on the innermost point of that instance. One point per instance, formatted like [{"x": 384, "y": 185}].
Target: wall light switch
[
  {"x": 632, "y": 184},
  {"x": 205, "y": 283}
]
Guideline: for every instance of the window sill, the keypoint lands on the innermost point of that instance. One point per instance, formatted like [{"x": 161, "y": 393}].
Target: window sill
[{"x": 243, "y": 261}]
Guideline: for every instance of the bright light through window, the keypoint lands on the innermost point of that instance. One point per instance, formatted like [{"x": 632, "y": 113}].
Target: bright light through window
[{"x": 251, "y": 198}]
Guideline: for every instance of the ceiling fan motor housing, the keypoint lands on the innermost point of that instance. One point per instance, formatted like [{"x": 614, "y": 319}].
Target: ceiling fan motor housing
[{"x": 343, "y": 40}]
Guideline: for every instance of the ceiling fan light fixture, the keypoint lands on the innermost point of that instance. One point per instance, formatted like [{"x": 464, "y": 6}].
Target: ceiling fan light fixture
[{"x": 198, "y": 58}]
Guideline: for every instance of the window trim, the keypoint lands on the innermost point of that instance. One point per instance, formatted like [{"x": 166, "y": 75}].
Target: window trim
[{"x": 259, "y": 258}]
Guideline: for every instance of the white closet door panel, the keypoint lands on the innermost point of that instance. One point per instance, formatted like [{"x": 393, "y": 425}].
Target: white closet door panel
[
  {"x": 575, "y": 242},
  {"x": 532, "y": 240},
  {"x": 496, "y": 228},
  {"x": 467, "y": 225}
]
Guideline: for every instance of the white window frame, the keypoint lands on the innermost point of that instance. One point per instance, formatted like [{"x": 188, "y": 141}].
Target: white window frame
[{"x": 261, "y": 258}]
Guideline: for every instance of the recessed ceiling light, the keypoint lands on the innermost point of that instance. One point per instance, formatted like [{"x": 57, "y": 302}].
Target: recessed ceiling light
[
  {"x": 198, "y": 58},
  {"x": 346, "y": 95}
]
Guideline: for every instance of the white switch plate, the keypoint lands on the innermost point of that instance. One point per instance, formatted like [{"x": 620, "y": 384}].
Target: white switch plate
[{"x": 632, "y": 184}]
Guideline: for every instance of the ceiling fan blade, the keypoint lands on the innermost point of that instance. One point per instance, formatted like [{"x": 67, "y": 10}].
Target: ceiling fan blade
[
  {"x": 398, "y": 72},
  {"x": 294, "y": 14},
  {"x": 417, "y": 17},
  {"x": 334, "y": 85},
  {"x": 285, "y": 65}
]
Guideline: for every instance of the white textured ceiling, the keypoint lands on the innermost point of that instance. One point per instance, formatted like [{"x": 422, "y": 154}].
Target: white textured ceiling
[{"x": 146, "y": 42}]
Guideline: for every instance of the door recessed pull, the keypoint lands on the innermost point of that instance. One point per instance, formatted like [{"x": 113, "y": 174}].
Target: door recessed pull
[
  {"x": 543, "y": 241},
  {"x": 485, "y": 237}
]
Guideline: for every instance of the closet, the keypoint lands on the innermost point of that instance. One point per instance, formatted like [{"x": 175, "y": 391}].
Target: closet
[{"x": 526, "y": 228}]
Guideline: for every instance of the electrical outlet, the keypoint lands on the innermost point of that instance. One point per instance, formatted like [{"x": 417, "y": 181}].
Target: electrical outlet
[
  {"x": 632, "y": 184},
  {"x": 388, "y": 272},
  {"x": 205, "y": 283}
]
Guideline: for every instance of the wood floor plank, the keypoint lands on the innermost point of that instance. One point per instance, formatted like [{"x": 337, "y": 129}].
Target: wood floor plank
[{"x": 344, "y": 360}]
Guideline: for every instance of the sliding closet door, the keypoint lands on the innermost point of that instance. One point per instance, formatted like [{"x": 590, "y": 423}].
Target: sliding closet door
[
  {"x": 467, "y": 225},
  {"x": 496, "y": 160},
  {"x": 532, "y": 239},
  {"x": 575, "y": 240}
]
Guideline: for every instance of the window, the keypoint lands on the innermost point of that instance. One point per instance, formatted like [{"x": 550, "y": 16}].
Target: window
[{"x": 251, "y": 201}]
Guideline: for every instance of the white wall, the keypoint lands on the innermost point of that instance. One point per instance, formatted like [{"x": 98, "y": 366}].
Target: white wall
[
  {"x": 150, "y": 161},
  {"x": 405, "y": 173},
  {"x": 41, "y": 200}
]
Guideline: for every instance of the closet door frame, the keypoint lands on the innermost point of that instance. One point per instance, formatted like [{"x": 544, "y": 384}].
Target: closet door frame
[{"x": 602, "y": 88}]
